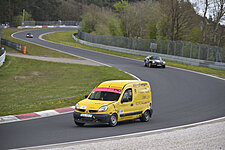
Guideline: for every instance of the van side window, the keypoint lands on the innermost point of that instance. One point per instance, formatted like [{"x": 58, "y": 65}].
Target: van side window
[{"x": 127, "y": 96}]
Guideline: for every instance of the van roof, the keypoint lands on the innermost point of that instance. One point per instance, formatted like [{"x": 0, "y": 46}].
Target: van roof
[{"x": 118, "y": 84}]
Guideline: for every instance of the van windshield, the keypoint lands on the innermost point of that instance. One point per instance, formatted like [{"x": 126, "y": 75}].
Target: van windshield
[{"x": 104, "y": 96}]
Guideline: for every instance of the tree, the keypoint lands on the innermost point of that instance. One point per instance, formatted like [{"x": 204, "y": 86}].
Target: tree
[
  {"x": 120, "y": 6},
  {"x": 17, "y": 20},
  {"x": 135, "y": 19},
  {"x": 45, "y": 10},
  {"x": 218, "y": 16},
  {"x": 70, "y": 10},
  {"x": 176, "y": 17},
  {"x": 205, "y": 20},
  {"x": 27, "y": 16},
  {"x": 98, "y": 20},
  {"x": 212, "y": 21}
]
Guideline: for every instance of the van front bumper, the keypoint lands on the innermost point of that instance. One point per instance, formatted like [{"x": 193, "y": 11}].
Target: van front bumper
[{"x": 103, "y": 118}]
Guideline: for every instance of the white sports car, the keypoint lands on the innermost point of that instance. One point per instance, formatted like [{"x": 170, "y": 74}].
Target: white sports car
[
  {"x": 29, "y": 35},
  {"x": 154, "y": 61}
]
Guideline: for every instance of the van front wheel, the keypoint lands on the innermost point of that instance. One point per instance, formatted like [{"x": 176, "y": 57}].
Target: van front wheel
[
  {"x": 79, "y": 124},
  {"x": 146, "y": 116},
  {"x": 113, "y": 120}
]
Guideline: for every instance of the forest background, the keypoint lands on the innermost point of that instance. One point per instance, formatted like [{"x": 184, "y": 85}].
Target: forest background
[{"x": 147, "y": 19}]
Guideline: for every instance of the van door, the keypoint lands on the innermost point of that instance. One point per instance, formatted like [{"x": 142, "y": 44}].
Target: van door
[
  {"x": 127, "y": 109},
  {"x": 142, "y": 98}
]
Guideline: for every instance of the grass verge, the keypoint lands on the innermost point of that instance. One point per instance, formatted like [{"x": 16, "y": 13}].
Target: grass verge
[
  {"x": 31, "y": 85},
  {"x": 66, "y": 38}
]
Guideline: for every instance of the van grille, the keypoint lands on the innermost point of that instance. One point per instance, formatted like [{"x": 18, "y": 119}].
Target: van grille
[
  {"x": 82, "y": 110},
  {"x": 93, "y": 111},
  {"x": 90, "y": 111}
]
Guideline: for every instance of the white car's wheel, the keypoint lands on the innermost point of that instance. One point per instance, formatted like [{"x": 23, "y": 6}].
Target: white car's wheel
[
  {"x": 145, "y": 64},
  {"x": 150, "y": 65}
]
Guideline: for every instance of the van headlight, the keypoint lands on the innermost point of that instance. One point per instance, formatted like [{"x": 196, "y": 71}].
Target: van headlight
[
  {"x": 77, "y": 106},
  {"x": 103, "y": 109}
]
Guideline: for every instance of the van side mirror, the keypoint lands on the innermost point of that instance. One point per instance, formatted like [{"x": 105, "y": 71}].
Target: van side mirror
[{"x": 85, "y": 96}]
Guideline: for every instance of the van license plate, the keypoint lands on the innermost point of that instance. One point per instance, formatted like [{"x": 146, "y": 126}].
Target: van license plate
[{"x": 86, "y": 115}]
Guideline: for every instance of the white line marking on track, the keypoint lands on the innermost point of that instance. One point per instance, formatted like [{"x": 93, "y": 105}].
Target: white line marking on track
[
  {"x": 198, "y": 73},
  {"x": 125, "y": 135},
  {"x": 133, "y": 76}
]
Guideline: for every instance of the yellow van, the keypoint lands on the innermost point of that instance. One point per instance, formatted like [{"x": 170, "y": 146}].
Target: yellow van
[{"x": 114, "y": 101}]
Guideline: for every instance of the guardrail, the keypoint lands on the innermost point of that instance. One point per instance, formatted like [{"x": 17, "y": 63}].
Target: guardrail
[
  {"x": 175, "y": 48},
  {"x": 49, "y": 23},
  {"x": 50, "y": 26},
  {"x": 189, "y": 61},
  {"x": 2, "y": 57},
  {"x": 16, "y": 46}
]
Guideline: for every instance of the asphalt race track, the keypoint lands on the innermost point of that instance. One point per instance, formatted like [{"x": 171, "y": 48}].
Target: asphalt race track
[{"x": 179, "y": 98}]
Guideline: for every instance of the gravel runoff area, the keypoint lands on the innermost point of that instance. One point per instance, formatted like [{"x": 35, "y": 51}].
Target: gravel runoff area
[
  {"x": 208, "y": 135},
  {"x": 54, "y": 59}
]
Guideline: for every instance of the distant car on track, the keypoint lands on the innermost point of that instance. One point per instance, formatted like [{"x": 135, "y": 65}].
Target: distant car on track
[
  {"x": 154, "y": 61},
  {"x": 29, "y": 35}
]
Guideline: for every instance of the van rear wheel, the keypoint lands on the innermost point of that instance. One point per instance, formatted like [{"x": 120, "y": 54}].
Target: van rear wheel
[
  {"x": 113, "y": 120},
  {"x": 146, "y": 116}
]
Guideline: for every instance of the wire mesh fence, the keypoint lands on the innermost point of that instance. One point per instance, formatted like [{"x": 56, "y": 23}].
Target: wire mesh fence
[
  {"x": 49, "y": 23},
  {"x": 176, "y": 48}
]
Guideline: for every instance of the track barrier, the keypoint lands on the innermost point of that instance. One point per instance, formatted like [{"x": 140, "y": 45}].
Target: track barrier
[
  {"x": 24, "y": 49},
  {"x": 2, "y": 57},
  {"x": 16, "y": 46},
  {"x": 189, "y": 61}
]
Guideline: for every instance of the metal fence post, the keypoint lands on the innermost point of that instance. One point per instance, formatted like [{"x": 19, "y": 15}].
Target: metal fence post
[
  {"x": 182, "y": 48},
  {"x": 217, "y": 53},
  {"x": 191, "y": 50},
  {"x": 207, "y": 53},
  {"x": 168, "y": 46},
  {"x": 220, "y": 59},
  {"x": 175, "y": 47},
  {"x": 161, "y": 46},
  {"x": 199, "y": 50},
  {"x": 133, "y": 43},
  {"x": 150, "y": 45}
]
